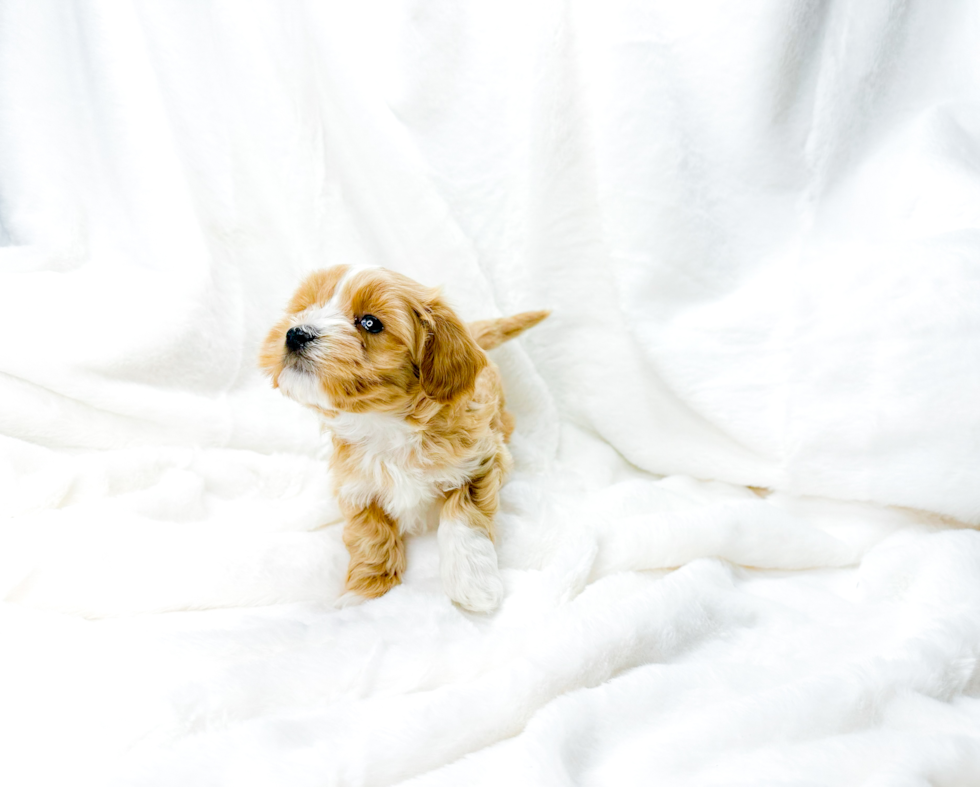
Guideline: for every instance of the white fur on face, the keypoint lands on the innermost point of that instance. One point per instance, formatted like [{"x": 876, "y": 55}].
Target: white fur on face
[
  {"x": 298, "y": 380},
  {"x": 325, "y": 321},
  {"x": 329, "y": 319},
  {"x": 303, "y": 387},
  {"x": 468, "y": 564}
]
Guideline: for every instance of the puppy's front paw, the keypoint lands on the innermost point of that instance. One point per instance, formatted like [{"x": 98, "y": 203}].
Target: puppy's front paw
[
  {"x": 369, "y": 581},
  {"x": 478, "y": 593},
  {"x": 468, "y": 564}
]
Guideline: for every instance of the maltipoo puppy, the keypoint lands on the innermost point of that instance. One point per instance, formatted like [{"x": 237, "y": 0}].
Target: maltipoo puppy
[{"x": 416, "y": 412}]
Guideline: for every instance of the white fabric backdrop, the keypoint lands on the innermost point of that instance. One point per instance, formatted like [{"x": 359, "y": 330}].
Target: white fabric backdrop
[{"x": 758, "y": 226}]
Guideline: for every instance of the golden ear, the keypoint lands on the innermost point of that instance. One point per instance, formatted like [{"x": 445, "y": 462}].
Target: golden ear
[{"x": 450, "y": 359}]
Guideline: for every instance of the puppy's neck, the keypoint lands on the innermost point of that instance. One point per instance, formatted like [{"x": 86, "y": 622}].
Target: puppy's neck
[
  {"x": 392, "y": 429},
  {"x": 376, "y": 433}
]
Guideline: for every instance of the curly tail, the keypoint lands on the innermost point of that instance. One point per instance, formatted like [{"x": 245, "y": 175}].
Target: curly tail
[{"x": 493, "y": 333}]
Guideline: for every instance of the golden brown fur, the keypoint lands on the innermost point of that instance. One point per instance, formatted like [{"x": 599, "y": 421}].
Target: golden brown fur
[
  {"x": 417, "y": 416},
  {"x": 492, "y": 333}
]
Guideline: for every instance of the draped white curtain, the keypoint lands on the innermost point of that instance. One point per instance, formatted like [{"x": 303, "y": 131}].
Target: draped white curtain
[
  {"x": 756, "y": 223},
  {"x": 758, "y": 227}
]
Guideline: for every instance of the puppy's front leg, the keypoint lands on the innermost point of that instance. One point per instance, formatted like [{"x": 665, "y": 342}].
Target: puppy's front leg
[
  {"x": 377, "y": 552},
  {"x": 468, "y": 561}
]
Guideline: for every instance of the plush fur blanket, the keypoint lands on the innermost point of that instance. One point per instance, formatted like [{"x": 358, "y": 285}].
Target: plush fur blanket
[{"x": 738, "y": 546}]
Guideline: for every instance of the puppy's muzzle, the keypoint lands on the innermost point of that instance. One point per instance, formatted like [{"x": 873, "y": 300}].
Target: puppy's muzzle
[{"x": 297, "y": 338}]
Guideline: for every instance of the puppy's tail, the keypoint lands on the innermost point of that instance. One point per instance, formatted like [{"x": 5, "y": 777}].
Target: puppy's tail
[{"x": 493, "y": 333}]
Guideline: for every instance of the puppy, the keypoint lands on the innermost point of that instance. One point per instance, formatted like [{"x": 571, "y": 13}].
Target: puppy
[{"x": 416, "y": 412}]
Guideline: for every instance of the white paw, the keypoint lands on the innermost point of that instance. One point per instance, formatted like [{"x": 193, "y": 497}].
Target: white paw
[{"x": 468, "y": 564}]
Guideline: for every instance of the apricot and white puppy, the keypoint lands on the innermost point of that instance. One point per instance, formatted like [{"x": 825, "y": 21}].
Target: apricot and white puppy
[{"x": 416, "y": 412}]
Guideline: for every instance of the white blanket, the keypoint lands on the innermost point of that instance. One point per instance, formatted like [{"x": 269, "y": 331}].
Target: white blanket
[{"x": 758, "y": 227}]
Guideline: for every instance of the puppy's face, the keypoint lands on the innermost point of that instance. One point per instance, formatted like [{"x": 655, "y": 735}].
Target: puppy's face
[{"x": 360, "y": 340}]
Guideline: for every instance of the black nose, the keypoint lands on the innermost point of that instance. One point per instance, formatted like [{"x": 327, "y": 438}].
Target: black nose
[{"x": 297, "y": 337}]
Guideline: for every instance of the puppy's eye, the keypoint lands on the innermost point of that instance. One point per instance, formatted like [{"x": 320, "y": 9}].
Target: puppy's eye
[{"x": 371, "y": 324}]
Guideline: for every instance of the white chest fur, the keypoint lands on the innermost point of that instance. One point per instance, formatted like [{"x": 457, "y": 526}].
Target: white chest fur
[
  {"x": 392, "y": 469},
  {"x": 376, "y": 433}
]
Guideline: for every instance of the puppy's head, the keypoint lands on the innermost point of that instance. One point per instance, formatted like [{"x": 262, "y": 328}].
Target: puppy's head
[{"x": 359, "y": 340}]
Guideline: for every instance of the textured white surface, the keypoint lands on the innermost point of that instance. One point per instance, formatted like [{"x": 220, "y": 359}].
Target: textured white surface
[{"x": 758, "y": 226}]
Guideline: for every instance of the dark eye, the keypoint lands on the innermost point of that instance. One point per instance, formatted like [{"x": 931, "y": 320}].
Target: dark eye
[{"x": 371, "y": 324}]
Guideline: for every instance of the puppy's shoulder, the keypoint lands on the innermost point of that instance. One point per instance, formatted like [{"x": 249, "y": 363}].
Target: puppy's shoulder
[{"x": 489, "y": 385}]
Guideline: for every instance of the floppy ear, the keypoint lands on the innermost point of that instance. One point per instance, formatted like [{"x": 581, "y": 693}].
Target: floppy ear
[{"x": 450, "y": 359}]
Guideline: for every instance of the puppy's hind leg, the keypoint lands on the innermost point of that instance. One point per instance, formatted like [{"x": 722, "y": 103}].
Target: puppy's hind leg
[
  {"x": 377, "y": 551},
  {"x": 468, "y": 561}
]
